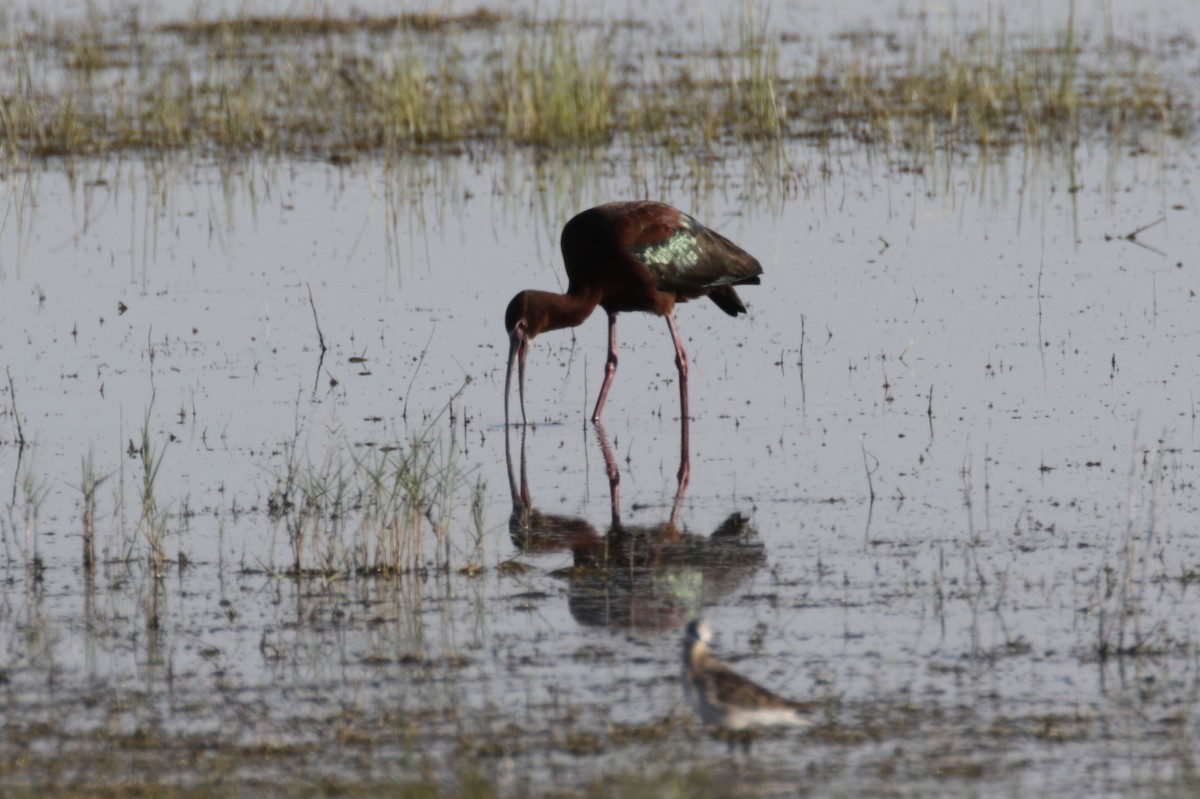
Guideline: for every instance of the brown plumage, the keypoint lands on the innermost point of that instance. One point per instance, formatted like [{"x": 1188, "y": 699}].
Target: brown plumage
[
  {"x": 727, "y": 700},
  {"x": 630, "y": 256}
]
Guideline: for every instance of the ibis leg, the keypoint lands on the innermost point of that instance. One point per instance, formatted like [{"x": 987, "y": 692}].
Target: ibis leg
[
  {"x": 685, "y": 466},
  {"x": 610, "y": 366},
  {"x": 614, "y": 475}
]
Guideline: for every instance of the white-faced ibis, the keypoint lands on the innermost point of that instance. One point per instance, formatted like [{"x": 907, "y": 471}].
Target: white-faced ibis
[
  {"x": 630, "y": 256},
  {"x": 725, "y": 699}
]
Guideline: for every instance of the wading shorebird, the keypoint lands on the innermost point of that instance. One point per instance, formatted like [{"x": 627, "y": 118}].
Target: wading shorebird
[
  {"x": 630, "y": 256},
  {"x": 727, "y": 700}
]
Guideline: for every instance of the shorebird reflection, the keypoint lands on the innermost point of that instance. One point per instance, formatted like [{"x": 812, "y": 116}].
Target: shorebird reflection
[{"x": 634, "y": 576}]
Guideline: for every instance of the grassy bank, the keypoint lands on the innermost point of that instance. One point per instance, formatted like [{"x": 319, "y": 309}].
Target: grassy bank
[{"x": 335, "y": 87}]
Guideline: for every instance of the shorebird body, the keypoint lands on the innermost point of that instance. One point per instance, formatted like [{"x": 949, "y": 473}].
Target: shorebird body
[{"x": 725, "y": 699}]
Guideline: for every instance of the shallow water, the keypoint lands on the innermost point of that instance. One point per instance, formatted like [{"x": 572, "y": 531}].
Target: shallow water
[
  {"x": 974, "y": 339},
  {"x": 950, "y": 617}
]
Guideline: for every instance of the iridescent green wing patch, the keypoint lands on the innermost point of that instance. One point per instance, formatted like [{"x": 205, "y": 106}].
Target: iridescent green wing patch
[{"x": 671, "y": 258}]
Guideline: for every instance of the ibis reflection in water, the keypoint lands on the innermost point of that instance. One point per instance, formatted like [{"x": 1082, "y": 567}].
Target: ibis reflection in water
[
  {"x": 634, "y": 576},
  {"x": 630, "y": 256}
]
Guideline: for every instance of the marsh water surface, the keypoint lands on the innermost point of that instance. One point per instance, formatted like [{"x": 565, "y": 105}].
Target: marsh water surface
[{"x": 943, "y": 476}]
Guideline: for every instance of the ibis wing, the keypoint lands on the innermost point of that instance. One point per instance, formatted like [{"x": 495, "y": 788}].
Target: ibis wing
[{"x": 687, "y": 258}]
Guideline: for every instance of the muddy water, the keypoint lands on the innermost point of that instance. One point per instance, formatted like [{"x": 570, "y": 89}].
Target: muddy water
[
  {"x": 943, "y": 474},
  {"x": 980, "y": 346}
]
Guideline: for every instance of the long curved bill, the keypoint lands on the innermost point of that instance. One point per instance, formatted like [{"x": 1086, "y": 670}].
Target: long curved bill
[{"x": 516, "y": 349}]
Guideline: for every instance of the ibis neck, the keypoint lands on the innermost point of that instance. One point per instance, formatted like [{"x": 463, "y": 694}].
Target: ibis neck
[{"x": 562, "y": 310}]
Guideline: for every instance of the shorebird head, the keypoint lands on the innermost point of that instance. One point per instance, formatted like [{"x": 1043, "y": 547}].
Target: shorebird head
[{"x": 697, "y": 631}]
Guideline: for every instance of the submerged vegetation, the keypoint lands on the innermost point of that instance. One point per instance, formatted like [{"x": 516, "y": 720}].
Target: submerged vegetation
[
  {"x": 375, "y": 514},
  {"x": 339, "y": 86}
]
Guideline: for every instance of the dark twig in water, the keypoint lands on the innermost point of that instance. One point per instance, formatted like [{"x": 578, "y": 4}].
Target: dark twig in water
[
  {"x": 867, "y": 465},
  {"x": 1133, "y": 236},
  {"x": 803, "y": 391},
  {"x": 449, "y": 406},
  {"x": 12, "y": 392},
  {"x": 320, "y": 339},
  {"x": 316, "y": 321},
  {"x": 416, "y": 369},
  {"x": 929, "y": 410}
]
